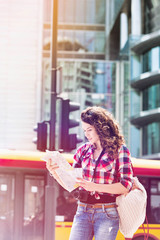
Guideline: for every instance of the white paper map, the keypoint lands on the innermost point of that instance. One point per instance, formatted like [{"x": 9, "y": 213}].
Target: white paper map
[{"x": 66, "y": 172}]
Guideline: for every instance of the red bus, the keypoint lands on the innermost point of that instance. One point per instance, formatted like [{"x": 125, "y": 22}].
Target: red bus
[{"x": 23, "y": 178}]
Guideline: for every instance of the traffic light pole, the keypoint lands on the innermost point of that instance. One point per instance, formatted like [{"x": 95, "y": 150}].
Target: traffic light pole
[
  {"x": 50, "y": 202},
  {"x": 53, "y": 77}
]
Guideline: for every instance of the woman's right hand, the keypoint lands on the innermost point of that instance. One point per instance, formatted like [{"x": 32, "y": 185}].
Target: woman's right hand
[{"x": 52, "y": 167}]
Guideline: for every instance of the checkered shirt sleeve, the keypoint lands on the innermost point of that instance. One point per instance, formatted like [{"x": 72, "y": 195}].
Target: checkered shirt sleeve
[{"x": 125, "y": 170}]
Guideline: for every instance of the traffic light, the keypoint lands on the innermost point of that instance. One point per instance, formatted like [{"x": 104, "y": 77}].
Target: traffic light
[
  {"x": 41, "y": 139},
  {"x": 68, "y": 141}
]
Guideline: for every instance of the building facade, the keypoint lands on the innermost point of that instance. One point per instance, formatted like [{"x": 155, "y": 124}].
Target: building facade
[
  {"x": 140, "y": 44},
  {"x": 20, "y": 72},
  {"x": 86, "y": 72},
  {"x": 145, "y": 54}
]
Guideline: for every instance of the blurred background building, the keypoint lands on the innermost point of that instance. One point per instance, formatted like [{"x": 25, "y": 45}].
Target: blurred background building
[
  {"x": 143, "y": 50},
  {"x": 88, "y": 74},
  {"x": 108, "y": 55},
  {"x": 20, "y": 71}
]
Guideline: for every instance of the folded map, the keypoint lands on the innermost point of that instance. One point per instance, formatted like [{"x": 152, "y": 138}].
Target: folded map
[{"x": 66, "y": 172}]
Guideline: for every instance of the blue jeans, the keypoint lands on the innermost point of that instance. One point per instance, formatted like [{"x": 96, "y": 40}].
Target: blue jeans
[{"x": 103, "y": 223}]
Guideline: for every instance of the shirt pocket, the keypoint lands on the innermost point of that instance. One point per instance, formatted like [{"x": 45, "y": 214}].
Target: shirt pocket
[{"x": 107, "y": 169}]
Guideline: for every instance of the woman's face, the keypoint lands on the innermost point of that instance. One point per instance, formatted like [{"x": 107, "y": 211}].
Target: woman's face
[{"x": 90, "y": 133}]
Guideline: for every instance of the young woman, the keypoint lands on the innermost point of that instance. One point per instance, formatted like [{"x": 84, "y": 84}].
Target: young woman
[{"x": 107, "y": 172}]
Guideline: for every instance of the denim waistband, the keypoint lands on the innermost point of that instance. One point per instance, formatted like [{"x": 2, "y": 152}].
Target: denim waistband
[{"x": 97, "y": 206}]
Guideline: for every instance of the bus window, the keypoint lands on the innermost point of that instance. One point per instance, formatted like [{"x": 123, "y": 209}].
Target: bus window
[
  {"x": 7, "y": 198},
  {"x": 66, "y": 205},
  {"x": 33, "y": 225},
  {"x": 155, "y": 200}
]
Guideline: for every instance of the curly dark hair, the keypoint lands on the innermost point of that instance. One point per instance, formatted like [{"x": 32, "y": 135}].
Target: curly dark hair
[{"x": 106, "y": 127}]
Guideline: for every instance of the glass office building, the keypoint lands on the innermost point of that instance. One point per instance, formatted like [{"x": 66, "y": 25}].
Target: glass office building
[
  {"x": 142, "y": 48},
  {"x": 145, "y": 82},
  {"x": 86, "y": 73}
]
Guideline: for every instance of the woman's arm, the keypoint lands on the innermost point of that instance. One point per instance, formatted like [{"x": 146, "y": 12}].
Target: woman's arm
[
  {"x": 114, "y": 188},
  {"x": 51, "y": 168}
]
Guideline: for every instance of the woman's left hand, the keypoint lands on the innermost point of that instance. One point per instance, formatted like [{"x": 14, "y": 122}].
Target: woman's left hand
[{"x": 88, "y": 186}]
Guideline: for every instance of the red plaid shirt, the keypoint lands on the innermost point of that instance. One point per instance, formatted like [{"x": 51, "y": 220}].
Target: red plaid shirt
[{"x": 108, "y": 170}]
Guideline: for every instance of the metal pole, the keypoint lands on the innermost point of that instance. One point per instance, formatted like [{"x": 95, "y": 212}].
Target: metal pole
[
  {"x": 53, "y": 77},
  {"x": 50, "y": 209},
  {"x": 50, "y": 202}
]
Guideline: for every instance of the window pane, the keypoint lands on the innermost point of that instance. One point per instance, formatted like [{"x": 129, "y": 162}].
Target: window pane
[
  {"x": 47, "y": 6},
  {"x": 135, "y": 103},
  {"x": 80, "y": 40},
  {"x": 155, "y": 201},
  {"x": 99, "y": 42},
  {"x": 151, "y": 97},
  {"x": 61, "y": 10},
  {"x": 33, "y": 225},
  {"x": 145, "y": 137},
  {"x": 66, "y": 206},
  {"x": 90, "y": 11},
  {"x": 80, "y": 11},
  {"x": 69, "y": 11},
  {"x": 83, "y": 41},
  {"x": 151, "y": 138},
  {"x": 151, "y": 60},
  {"x": 100, "y": 12},
  {"x": 65, "y": 40},
  {"x": 147, "y": 62},
  {"x": 90, "y": 41},
  {"x": 154, "y": 59},
  {"x": 7, "y": 199},
  {"x": 135, "y": 67}
]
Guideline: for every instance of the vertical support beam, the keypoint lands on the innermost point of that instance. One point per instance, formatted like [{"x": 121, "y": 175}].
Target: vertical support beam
[
  {"x": 136, "y": 17},
  {"x": 117, "y": 92},
  {"x": 19, "y": 206},
  {"x": 123, "y": 30},
  {"x": 50, "y": 209},
  {"x": 53, "y": 76},
  {"x": 107, "y": 30},
  {"x": 50, "y": 202}
]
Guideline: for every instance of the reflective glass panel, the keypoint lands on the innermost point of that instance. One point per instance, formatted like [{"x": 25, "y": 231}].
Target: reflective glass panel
[
  {"x": 69, "y": 11},
  {"x": 155, "y": 59},
  {"x": 100, "y": 11},
  {"x": 85, "y": 82},
  {"x": 83, "y": 11},
  {"x": 81, "y": 41},
  {"x": 151, "y": 97},
  {"x": 47, "y": 9},
  {"x": 146, "y": 62},
  {"x": 60, "y": 11},
  {"x": 80, "y": 11},
  {"x": 151, "y": 61},
  {"x": 99, "y": 42},
  {"x": 135, "y": 103},
  {"x": 135, "y": 67},
  {"x": 151, "y": 138},
  {"x": 90, "y": 11}
]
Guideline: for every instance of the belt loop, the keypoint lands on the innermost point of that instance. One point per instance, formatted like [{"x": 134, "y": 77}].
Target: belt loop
[
  {"x": 85, "y": 208},
  {"x": 103, "y": 207}
]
